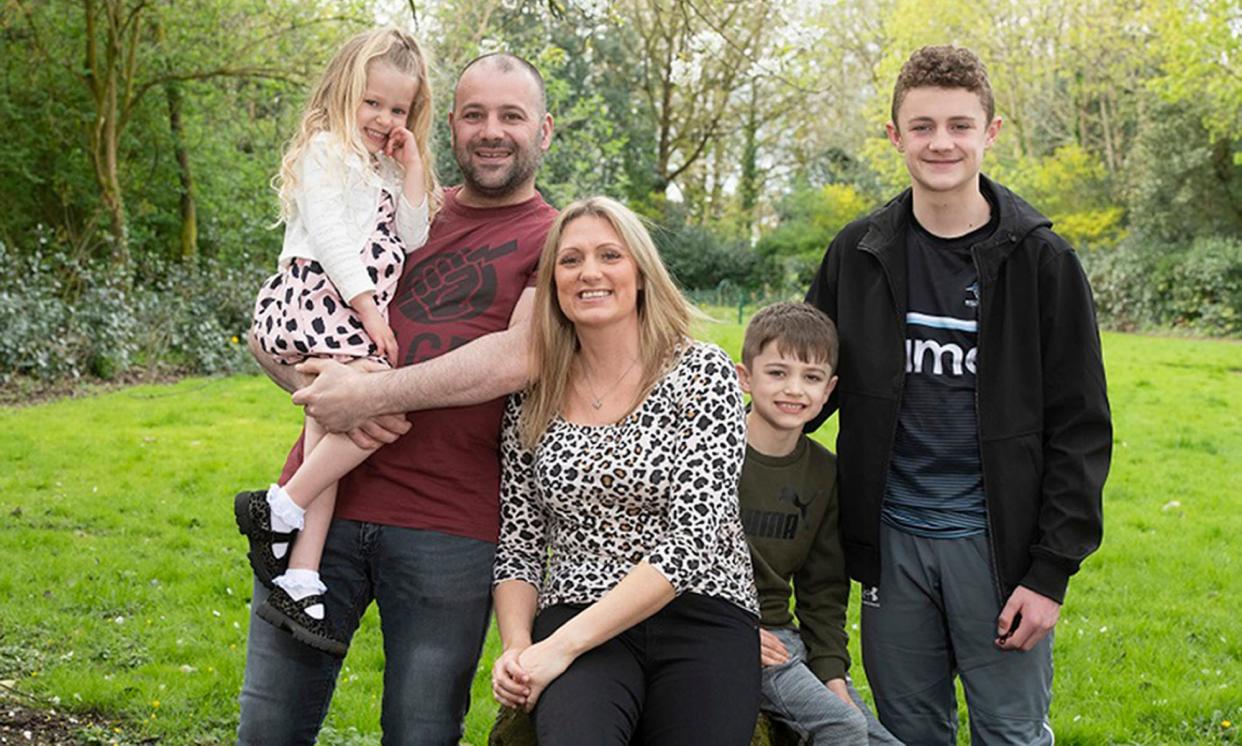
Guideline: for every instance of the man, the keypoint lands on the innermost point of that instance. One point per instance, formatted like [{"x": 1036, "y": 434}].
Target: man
[
  {"x": 975, "y": 433},
  {"x": 416, "y": 525}
]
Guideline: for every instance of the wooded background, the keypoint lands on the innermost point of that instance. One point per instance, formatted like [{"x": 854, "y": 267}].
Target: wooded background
[{"x": 138, "y": 139}]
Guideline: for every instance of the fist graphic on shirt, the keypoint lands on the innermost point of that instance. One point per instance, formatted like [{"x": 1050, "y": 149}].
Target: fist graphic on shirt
[{"x": 451, "y": 286}]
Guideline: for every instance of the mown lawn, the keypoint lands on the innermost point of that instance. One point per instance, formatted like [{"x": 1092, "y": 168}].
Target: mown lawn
[{"x": 124, "y": 585}]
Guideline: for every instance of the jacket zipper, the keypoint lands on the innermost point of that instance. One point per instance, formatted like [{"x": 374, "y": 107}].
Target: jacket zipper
[{"x": 983, "y": 471}]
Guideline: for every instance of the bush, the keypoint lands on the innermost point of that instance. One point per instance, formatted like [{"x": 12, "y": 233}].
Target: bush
[
  {"x": 1147, "y": 284},
  {"x": 699, "y": 258},
  {"x": 809, "y": 219},
  {"x": 63, "y": 319}
]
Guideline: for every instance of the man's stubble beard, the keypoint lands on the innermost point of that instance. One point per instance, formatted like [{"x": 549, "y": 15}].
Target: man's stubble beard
[{"x": 525, "y": 164}]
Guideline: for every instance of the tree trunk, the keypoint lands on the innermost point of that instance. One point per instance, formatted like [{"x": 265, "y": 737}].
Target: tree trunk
[
  {"x": 748, "y": 189},
  {"x": 107, "y": 171},
  {"x": 189, "y": 211},
  {"x": 102, "y": 80}
]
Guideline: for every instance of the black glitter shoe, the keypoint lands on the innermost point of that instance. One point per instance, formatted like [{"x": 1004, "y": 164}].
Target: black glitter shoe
[
  {"x": 254, "y": 521},
  {"x": 281, "y": 611}
]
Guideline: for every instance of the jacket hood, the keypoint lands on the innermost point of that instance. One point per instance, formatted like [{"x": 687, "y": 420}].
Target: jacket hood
[{"x": 885, "y": 236}]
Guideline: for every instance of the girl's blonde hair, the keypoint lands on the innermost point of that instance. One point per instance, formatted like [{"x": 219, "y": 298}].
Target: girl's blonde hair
[
  {"x": 333, "y": 105},
  {"x": 664, "y": 316}
]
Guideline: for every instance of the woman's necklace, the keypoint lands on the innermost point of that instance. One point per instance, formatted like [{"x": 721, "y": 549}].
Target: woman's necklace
[{"x": 597, "y": 401}]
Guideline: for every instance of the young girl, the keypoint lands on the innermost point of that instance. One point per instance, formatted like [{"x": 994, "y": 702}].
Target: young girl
[{"x": 354, "y": 189}]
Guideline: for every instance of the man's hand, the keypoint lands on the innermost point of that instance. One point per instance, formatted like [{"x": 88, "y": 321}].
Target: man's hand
[
  {"x": 338, "y": 399},
  {"x": 1026, "y": 619},
  {"x": 837, "y": 687},
  {"x": 379, "y": 430},
  {"x": 284, "y": 376},
  {"x": 772, "y": 651}
]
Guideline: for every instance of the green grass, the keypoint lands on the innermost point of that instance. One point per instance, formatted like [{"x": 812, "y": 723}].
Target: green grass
[{"x": 124, "y": 585}]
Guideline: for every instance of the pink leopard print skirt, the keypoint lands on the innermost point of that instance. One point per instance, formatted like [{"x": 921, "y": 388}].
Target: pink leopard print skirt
[{"x": 299, "y": 313}]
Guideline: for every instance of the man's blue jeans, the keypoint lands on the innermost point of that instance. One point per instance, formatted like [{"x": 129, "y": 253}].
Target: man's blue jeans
[{"x": 434, "y": 596}]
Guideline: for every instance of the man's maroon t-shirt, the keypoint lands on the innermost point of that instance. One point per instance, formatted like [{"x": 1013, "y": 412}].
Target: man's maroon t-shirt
[{"x": 444, "y": 474}]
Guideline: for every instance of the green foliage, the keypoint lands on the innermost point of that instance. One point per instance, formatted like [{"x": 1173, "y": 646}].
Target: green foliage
[
  {"x": 1182, "y": 183},
  {"x": 1119, "y": 117},
  {"x": 699, "y": 258},
  {"x": 809, "y": 219},
  {"x": 72, "y": 320},
  {"x": 1146, "y": 284},
  {"x": 242, "y": 67},
  {"x": 1201, "y": 46},
  {"x": 1070, "y": 186}
]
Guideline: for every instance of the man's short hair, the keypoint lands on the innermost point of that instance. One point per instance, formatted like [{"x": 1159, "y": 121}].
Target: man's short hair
[
  {"x": 507, "y": 63},
  {"x": 799, "y": 330},
  {"x": 944, "y": 67}
]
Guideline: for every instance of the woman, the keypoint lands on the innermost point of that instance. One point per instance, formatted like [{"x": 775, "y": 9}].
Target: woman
[{"x": 623, "y": 586}]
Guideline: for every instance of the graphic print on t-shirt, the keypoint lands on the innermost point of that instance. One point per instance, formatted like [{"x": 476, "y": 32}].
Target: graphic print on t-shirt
[
  {"x": 451, "y": 285},
  {"x": 778, "y": 524},
  {"x": 935, "y": 480},
  {"x": 447, "y": 287}
]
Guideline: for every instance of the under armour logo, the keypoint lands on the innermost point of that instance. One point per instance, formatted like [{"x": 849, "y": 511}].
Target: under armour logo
[{"x": 871, "y": 596}]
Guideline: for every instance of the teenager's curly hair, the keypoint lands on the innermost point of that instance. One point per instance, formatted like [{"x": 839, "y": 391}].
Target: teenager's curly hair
[{"x": 944, "y": 67}]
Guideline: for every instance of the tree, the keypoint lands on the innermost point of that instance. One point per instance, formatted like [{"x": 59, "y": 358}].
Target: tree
[
  {"x": 129, "y": 48},
  {"x": 1201, "y": 46},
  {"x": 693, "y": 56}
]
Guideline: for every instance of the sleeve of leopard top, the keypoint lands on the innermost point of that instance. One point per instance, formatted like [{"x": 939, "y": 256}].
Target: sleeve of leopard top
[
  {"x": 522, "y": 551},
  {"x": 710, "y": 444}
]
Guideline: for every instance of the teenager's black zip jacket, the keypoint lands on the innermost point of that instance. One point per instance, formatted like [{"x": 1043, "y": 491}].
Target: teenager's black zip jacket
[{"x": 1045, "y": 433}]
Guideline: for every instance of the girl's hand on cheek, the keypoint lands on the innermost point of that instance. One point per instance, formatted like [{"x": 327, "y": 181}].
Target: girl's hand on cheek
[{"x": 403, "y": 148}]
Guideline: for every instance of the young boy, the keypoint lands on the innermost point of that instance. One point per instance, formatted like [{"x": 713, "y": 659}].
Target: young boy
[
  {"x": 789, "y": 510},
  {"x": 975, "y": 432}
]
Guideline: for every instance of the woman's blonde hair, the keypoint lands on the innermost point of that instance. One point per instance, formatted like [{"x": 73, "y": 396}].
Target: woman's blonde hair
[
  {"x": 664, "y": 315},
  {"x": 333, "y": 105}
]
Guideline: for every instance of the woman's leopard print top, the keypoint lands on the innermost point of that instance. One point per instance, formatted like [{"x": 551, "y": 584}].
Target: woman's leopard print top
[{"x": 591, "y": 502}]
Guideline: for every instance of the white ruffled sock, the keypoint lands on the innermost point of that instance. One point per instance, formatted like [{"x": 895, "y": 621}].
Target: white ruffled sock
[
  {"x": 299, "y": 584},
  {"x": 286, "y": 516}
]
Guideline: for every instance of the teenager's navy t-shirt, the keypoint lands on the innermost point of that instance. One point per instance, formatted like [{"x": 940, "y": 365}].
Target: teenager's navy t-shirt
[{"x": 935, "y": 479}]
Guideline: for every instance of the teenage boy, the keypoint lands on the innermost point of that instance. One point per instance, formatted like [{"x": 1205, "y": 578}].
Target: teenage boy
[
  {"x": 788, "y": 499},
  {"x": 974, "y": 434}
]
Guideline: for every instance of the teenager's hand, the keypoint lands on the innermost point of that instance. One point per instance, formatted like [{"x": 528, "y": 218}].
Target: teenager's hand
[
  {"x": 543, "y": 661},
  {"x": 403, "y": 148},
  {"x": 772, "y": 651},
  {"x": 837, "y": 687},
  {"x": 510, "y": 682},
  {"x": 1027, "y": 618}
]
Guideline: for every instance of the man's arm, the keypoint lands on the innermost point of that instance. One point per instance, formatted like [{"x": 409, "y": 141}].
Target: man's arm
[
  {"x": 283, "y": 376},
  {"x": 370, "y": 433},
  {"x": 481, "y": 370}
]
